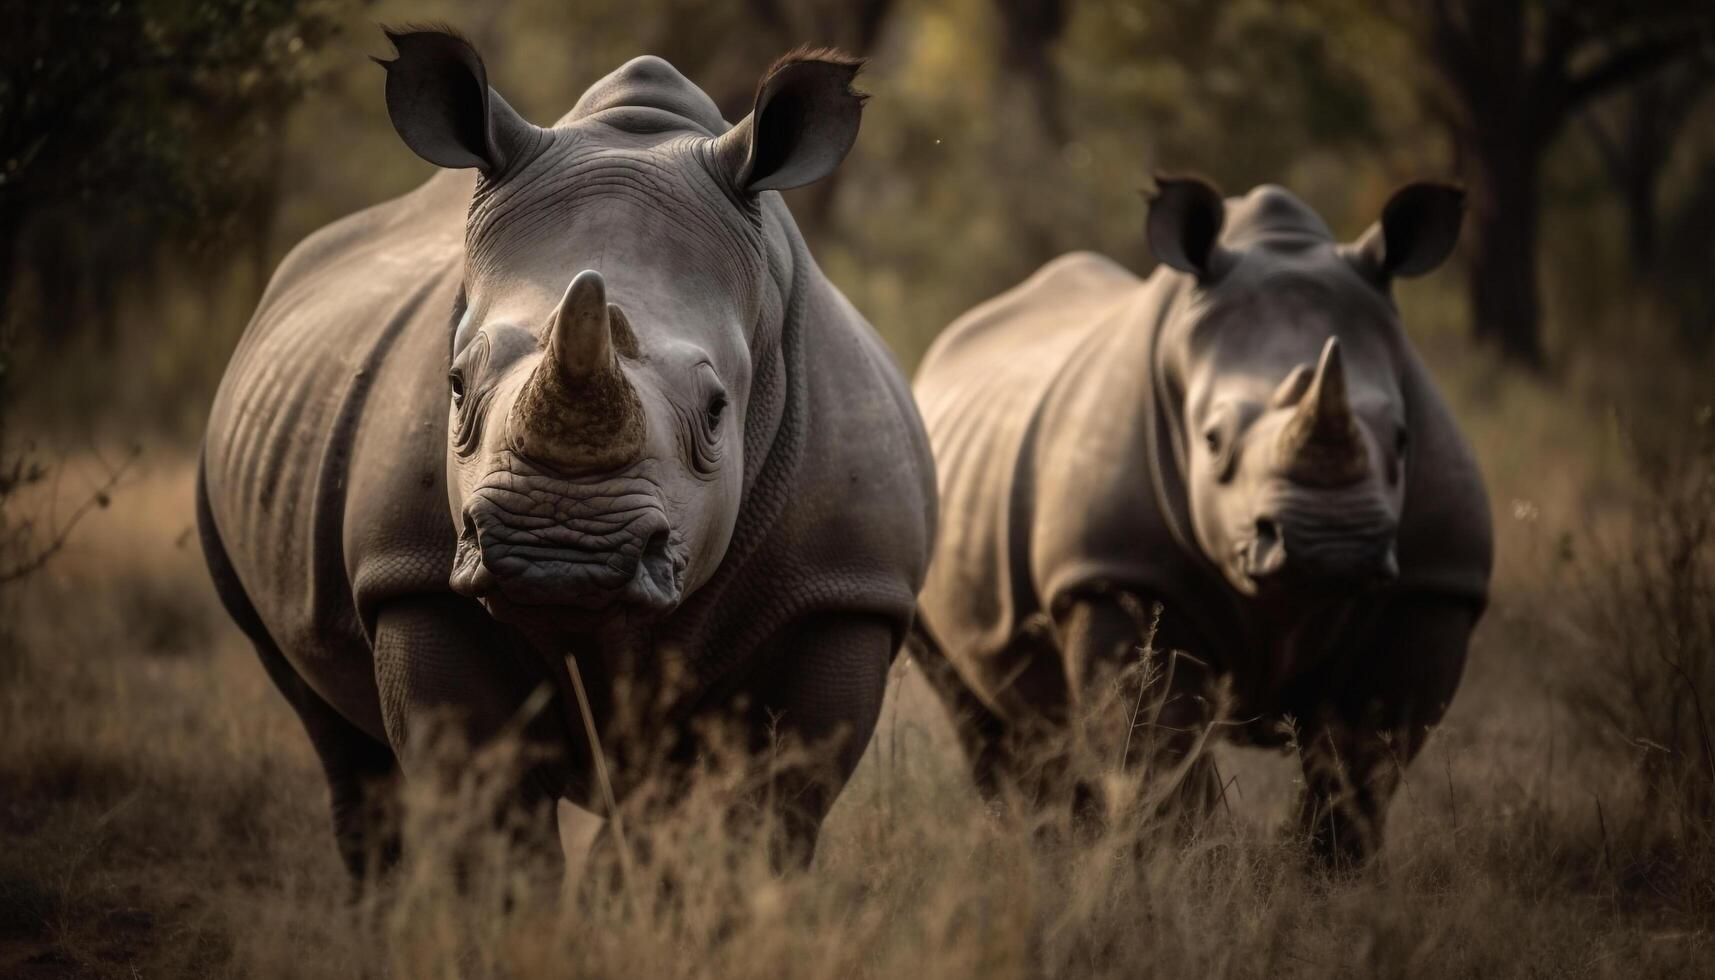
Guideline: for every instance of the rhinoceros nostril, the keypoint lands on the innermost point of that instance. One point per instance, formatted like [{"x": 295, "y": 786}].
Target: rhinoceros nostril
[
  {"x": 657, "y": 579},
  {"x": 1389, "y": 569},
  {"x": 1268, "y": 550},
  {"x": 1267, "y": 530},
  {"x": 471, "y": 576},
  {"x": 655, "y": 550}
]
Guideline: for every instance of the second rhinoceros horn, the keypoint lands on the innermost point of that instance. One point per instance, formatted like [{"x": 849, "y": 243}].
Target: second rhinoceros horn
[
  {"x": 578, "y": 411},
  {"x": 1321, "y": 444}
]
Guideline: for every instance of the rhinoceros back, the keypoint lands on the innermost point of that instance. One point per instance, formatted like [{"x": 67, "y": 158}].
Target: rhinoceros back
[
  {"x": 322, "y": 380},
  {"x": 1039, "y": 454}
]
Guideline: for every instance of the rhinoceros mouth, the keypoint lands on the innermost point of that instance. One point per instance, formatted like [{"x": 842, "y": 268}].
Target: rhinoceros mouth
[
  {"x": 1317, "y": 540},
  {"x": 1268, "y": 562},
  {"x": 530, "y": 548}
]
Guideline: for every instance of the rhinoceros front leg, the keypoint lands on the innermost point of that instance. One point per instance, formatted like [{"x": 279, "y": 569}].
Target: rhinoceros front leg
[
  {"x": 1349, "y": 778},
  {"x": 361, "y": 772},
  {"x": 1401, "y": 676},
  {"x": 818, "y": 702},
  {"x": 982, "y": 734},
  {"x": 1129, "y": 715},
  {"x": 449, "y": 689}
]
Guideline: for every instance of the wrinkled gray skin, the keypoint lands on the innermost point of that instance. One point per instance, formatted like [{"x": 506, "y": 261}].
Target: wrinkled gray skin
[
  {"x": 596, "y": 402},
  {"x": 1245, "y": 437}
]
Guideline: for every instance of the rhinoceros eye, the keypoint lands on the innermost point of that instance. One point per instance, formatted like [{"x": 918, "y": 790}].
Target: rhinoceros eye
[
  {"x": 469, "y": 399},
  {"x": 703, "y": 429},
  {"x": 1221, "y": 439},
  {"x": 1401, "y": 445}
]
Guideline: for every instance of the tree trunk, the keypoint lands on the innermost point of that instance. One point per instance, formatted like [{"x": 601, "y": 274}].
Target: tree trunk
[
  {"x": 1504, "y": 213},
  {"x": 11, "y": 225},
  {"x": 1656, "y": 111},
  {"x": 1638, "y": 193},
  {"x": 1029, "y": 30}
]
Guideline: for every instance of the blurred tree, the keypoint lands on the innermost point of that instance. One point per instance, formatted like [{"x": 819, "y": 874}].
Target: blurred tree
[
  {"x": 1685, "y": 253},
  {"x": 1510, "y": 73},
  {"x": 124, "y": 125},
  {"x": 1636, "y": 134},
  {"x": 1029, "y": 31},
  {"x": 1237, "y": 90},
  {"x": 1030, "y": 126}
]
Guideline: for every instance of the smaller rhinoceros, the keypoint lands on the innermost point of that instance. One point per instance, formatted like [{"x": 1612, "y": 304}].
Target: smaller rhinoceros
[
  {"x": 581, "y": 400},
  {"x": 1245, "y": 438}
]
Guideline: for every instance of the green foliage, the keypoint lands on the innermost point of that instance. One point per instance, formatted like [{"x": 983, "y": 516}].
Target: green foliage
[{"x": 154, "y": 108}]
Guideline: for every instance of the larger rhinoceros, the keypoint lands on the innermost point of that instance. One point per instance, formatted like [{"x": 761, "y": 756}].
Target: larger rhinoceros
[
  {"x": 596, "y": 402},
  {"x": 1246, "y": 438}
]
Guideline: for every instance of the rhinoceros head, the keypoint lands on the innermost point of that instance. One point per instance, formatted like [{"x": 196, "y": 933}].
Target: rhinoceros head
[
  {"x": 620, "y": 269},
  {"x": 1286, "y": 352}
]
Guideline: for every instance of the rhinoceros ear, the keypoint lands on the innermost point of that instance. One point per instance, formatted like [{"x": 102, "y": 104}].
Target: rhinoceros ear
[
  {"x": 1185, "y": 217},
  {"x": 440, "y": 103},
  {"x": 805, "y": 120},
  {"x": 1417, "y": 231}
]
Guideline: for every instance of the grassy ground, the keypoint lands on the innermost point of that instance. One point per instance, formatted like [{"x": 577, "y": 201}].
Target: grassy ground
[{"x": 161, "y": 812}]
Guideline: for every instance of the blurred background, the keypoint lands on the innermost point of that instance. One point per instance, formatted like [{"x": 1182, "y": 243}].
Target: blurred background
[{"x": 159, "y": 157}]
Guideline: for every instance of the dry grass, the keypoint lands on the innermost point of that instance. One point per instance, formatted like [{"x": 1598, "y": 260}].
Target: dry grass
[
  {"x": 1650, "y": 600},
  {"x": 161, "y": 813}
]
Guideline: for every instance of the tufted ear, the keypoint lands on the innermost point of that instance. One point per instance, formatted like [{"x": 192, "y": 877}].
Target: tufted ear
[
  {"x": 1418, "y": 228},
  {"x": 804, "y": 121},
  {"x": 441, "y": 106},
  {"x": 1185, "y": 217}
]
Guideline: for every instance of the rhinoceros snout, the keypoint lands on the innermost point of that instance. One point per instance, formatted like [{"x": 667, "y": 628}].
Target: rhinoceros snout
[
  {"x": 546, "y": 548},
  {"x": 1295, "y": 548}
]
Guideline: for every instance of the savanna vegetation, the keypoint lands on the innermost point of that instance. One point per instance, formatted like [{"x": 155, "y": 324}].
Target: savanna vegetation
[{"x": 162, "y": 813}]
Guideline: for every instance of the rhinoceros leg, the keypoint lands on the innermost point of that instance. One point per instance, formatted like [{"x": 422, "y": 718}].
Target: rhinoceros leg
[
  {"x": 981, "y": 733},
  {"x": 804, "y": 720},
  {"x": 361, "y": 772},
  {"x": 1346, "y": 790},
  {"x": 1117, "y": 725},
  {"x": 1016, "y": 761},
  {"x": 1389, "y": 692},
  {"x": 824, "y": 694},
  {"x": 450, "y": 687}
]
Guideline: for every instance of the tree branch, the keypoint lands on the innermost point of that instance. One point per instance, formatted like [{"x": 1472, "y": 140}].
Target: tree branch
[
  {"x": 1452, "y": 46},
  {"x": 1547, "y": 80},
  {"x": 1607, "y": 147},
  {"x": 1625, "y": 65}
]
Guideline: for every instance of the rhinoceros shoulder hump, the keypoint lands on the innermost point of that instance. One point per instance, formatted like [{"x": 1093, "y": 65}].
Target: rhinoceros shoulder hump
[{"x": 650, "y": 83}]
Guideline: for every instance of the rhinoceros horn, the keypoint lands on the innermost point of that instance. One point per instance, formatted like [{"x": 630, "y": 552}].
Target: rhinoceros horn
[
  {"x": 578, "y": 410},
  {"x": 1321, "y": 445},
  {"x": 580, "y": 337}
]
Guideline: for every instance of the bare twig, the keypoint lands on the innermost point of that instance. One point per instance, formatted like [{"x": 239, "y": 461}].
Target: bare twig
[
  {"x": 600, "y": 758},
  {"x": 1224, "y": 783},
  {"x": 1146, "y": 665},
  {"x": 1452, "y": 799},
  {"x": 101, "y": 497},
  {"x": 1602, "y": 822}
]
